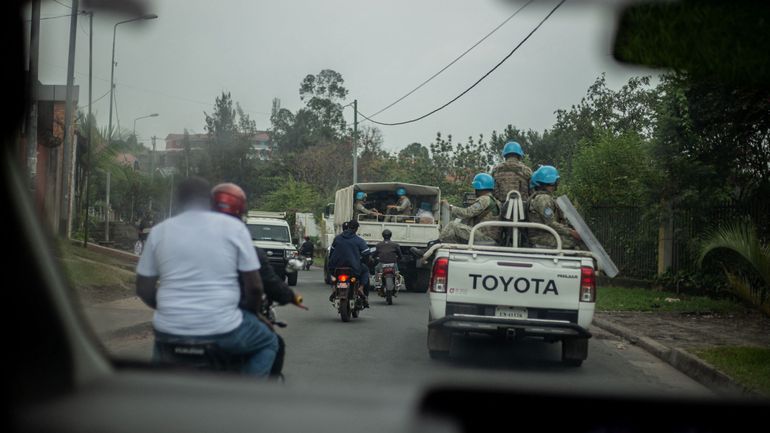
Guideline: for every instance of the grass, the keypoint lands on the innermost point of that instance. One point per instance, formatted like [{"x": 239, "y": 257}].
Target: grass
[
  {"x": 95, "y": 277},
  {"x": 625, "y": 299},
  {"x": 750, "y": 366}
]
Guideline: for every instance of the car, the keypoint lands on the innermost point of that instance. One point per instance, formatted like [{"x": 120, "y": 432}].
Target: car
[{"x": 270, "y": 231}]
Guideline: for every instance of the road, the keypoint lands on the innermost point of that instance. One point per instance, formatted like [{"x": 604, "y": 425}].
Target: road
[{"x": 386, "y": 346}]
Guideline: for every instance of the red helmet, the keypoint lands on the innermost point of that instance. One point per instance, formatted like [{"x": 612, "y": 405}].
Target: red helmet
[{"x": 229, "y": 198}]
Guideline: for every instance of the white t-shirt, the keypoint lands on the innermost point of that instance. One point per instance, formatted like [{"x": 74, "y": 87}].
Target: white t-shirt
[{"x": 197, "y": 255}]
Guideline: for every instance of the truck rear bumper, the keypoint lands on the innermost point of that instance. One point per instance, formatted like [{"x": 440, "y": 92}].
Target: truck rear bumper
[{"x": 520, "y": 328}]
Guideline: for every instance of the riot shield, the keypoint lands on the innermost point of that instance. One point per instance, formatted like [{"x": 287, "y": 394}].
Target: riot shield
[{"x": 605, "y": 262}]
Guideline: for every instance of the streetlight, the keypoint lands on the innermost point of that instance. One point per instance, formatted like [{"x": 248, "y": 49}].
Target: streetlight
[
  {"x": 112, "y": 74},
  {"x": 143, "y": 117}
]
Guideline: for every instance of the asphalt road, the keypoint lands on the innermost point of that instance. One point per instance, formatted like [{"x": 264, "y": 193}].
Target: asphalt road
[{"x": 385, "y": 346}]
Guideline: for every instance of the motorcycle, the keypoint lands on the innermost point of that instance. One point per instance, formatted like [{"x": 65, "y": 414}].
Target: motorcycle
[
  {"x": 388, "y": 282},
  {"x": 348, "y": 299},
  {"x": 200, "y": 354},
  {"x": 308, "y": 262}
]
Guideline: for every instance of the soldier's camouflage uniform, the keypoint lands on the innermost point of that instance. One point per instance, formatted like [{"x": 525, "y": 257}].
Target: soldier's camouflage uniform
[
  {"x": 484, "y": 208},
  {"x": 544, "y": 210},
  {"x": 360, "y": 209},
  {"x": 403, "y": 208},
  {"x": 509, "y": 175}
]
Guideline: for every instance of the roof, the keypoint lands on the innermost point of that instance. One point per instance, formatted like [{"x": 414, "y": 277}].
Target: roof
[{"x": 409, "y": 187}]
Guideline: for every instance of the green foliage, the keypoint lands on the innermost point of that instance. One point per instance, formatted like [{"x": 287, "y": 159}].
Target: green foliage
[
  {"x": 293, "y": 197},
  {"x": 229, "y": 154},
  {"x": 737, "y": 245},
  {"x": 750, "y": 366},
  {"x": 611, "y": 170},
  {"x": 624, "y": 299},
  {"x": 703, "y": 282}
]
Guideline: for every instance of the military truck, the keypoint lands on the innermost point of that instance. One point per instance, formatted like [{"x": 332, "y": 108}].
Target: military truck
[{"x": 408, "y": 230}]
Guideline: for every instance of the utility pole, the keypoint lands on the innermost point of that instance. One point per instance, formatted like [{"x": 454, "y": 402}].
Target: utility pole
[
  {"x": 31, "y": 129},
  {"x": 152, "y": 168},
  {"x": 65, "y": 216},
  {"x": 107, "y": 212},
  {"x": 355, "y": 141},
  {"x": 88, "y": 122}
]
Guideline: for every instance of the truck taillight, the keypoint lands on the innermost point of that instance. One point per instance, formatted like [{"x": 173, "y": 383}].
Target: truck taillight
[
  {"x": 438, "y": 279},
  {"x": 587, "y": 284}
]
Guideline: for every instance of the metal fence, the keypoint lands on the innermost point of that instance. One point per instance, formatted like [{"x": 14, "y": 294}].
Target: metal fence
[{"x": 630, "y": 236}]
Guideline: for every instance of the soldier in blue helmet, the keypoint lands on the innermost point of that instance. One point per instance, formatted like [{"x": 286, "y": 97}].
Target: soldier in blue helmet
[
  {"x": 512, "y": 174},
  {"x": 543, "y": 210},
  {"x": 484, "y": 208},
  {"x": 360, "y": 209},
  {"x": 403, "y": 207}
]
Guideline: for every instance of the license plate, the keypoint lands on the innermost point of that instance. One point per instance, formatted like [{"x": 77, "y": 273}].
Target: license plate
[
  {"x": 512, "y": 312},
  {"x": 343, "y": 285}
]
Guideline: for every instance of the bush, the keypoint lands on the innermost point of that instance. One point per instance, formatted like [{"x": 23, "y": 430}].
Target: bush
[{"x": 704, "y": 282}]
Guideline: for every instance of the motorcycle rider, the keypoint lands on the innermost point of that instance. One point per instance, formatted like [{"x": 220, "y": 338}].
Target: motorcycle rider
[
  {"x": 199, "y": 256},
  {"x": 543, "y": 210},
  {"x": 307, "y": 249},
  {"x": 346, "y": 252},
  {"x": 230, "y": 199},
  {"x": 387, "y": 252}
]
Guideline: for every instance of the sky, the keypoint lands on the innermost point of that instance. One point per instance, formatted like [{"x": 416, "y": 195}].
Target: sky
[{"x": 176, "y": 65}]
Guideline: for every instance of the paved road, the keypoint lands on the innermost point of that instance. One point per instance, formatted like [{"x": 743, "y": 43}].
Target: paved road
[{"x": 386, "y": 346}]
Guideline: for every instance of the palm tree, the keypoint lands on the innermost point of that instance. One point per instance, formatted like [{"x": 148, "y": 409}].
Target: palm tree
[{"x": 741, "y": 240}]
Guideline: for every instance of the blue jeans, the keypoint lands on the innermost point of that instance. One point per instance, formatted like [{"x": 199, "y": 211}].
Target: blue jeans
[{"x": 252, "y": 336}]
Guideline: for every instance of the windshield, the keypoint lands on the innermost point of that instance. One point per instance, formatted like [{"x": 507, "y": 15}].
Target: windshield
[
  {"x": 667, "y": 173},
  {"x": 261, "y": 232}
]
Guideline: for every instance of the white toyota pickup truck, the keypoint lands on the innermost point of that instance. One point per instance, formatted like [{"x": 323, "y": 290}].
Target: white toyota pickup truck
[{"x": 512, "y": 292}]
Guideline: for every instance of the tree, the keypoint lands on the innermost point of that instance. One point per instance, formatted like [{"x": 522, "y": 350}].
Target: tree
[
  {"x": 614, "y": 171},
  {"x": 229, "y": 148},
  {"x": 293, "y": 197},
  {"x": 739, "y": 243},
  {"x": 320, "y": 121}
]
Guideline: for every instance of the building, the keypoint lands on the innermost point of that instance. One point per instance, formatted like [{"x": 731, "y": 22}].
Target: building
[
  {"x": 172, "y": 155},
  {"x": 54, "y": 182}
]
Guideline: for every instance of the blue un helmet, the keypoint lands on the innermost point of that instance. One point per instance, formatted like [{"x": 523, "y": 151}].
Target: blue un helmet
[
  {"x": 545, "y": 175},
  {"x": 400, "y": 192},
  {"x": 483, "y": 181},
  {"x": 512, "y": 147},
  {"x": 360, "y": 195}
]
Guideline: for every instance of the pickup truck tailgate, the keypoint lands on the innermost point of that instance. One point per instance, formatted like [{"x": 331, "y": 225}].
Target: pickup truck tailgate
[{"x": 515, "y": 280}]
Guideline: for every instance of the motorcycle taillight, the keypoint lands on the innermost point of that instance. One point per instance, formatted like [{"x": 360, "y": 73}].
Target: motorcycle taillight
[{"x": 343, "y": 277}]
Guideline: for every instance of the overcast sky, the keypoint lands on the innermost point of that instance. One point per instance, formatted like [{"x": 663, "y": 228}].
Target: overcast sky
[{"x": 259, "y": 50}]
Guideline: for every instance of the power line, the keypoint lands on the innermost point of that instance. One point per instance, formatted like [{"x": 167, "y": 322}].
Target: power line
[
  {"x": 455, "y": 60},
  {"x": 50, "y": 18},
  {"x": 66, "y": 6},
  {"x": 99, "y": 98},
  {"x": 474, "y": 84}
]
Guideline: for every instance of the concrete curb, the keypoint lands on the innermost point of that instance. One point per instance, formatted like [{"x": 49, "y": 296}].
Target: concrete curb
[{"x": 689, "y": 364}]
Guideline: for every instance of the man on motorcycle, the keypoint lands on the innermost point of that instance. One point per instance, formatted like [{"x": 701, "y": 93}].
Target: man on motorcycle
[
  {"x": 198, "y": 257},
  {"x": 347, "y": 251},
  {"x": 307, "y": 249},
  {"x": 230, "y": 199},
  {"x": 387, "y": 252}
]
